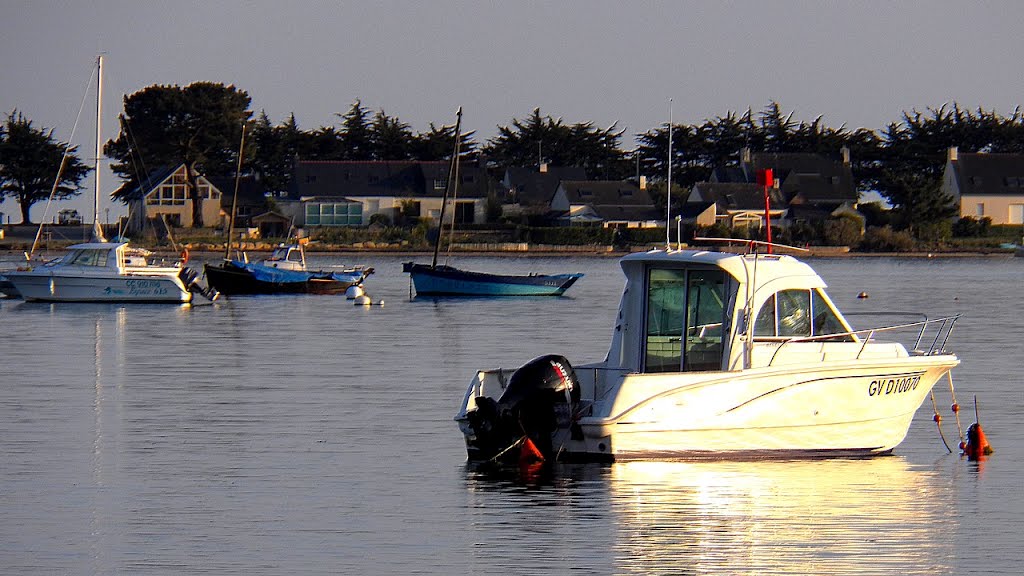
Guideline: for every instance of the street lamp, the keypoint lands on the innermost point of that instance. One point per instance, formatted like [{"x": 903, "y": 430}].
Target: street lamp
[{"x": 679, "y": 234}]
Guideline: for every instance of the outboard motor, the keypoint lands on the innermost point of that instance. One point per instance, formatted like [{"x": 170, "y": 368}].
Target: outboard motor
[{"x": 542, "y": 396}]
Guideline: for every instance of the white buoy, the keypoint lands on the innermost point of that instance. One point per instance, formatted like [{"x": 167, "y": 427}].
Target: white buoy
[
  {"x": 363, "y": 300},
  {"x": 354, "y": 291}
]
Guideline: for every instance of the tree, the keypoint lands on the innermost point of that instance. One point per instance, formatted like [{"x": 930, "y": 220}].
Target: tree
[
  {"x": 390, "y": 138},
  {"x": 198, "y": 125},
  {"x": 355, "y": 137},
  {"x": 541, "y": 139},
  {"x": 32, "y": 161},
  {"x": 275, "y": 150}
]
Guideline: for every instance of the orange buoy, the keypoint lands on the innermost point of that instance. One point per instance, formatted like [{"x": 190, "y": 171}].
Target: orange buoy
[
  {"x": 976, "y": 447},
  {"x": 529, "y": 453}
]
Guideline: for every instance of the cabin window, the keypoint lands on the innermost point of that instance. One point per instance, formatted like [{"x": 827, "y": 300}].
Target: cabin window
[
  {"x": 685, "y": 314},
  {"x": 89, "y": 258},
  {"x": 789, "y": 314}
]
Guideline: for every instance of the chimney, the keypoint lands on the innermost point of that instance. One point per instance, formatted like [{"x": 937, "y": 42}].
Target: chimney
[
  {"x": 952, "y": 154},
  {"x": 544, "y": 168},
  {"x": 643, "y": 182},
  {"x": 845, "y": 153}
]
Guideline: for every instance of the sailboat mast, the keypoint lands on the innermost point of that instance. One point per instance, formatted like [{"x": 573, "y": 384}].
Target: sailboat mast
[
  {"x": 234, "y": 199},
  {"x": 97, "y": 230},
  {"x": 453, "y": 170}
]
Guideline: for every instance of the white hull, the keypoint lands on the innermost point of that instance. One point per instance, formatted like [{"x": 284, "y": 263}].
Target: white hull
[
  {"x": 41, "y": 286},
  {"x": 858, "y": 408}
]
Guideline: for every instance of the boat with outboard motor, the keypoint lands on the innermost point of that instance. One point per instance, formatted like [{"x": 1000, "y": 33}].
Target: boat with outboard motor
[
  {"x": 101, "y": 271},
  {"x": 108, "y": 272},
  {"x": 714, "y": 355},
  {"x": 284, "y": 272}
]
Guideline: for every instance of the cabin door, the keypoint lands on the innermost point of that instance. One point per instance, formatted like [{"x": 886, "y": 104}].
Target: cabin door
[{"x": 685, "y": 314}]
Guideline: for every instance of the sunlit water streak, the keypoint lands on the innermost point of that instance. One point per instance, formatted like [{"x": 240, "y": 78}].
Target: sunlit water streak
[{"x": 305, "y": 435}]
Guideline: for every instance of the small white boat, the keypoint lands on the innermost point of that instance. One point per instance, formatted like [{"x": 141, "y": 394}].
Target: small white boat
[
  {"x": 106, "y": 272},
  {"x": 714, "y": 355}
]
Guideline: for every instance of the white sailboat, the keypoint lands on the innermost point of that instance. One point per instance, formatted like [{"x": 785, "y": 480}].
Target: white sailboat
[{"x": 102, "y": 271}]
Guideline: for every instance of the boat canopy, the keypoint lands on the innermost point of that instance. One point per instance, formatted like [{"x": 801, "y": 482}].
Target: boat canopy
[{"x": 687, "y": 310}]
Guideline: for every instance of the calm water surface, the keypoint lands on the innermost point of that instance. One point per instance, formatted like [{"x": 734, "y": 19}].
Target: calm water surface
[{"x": 305, "y": 435}]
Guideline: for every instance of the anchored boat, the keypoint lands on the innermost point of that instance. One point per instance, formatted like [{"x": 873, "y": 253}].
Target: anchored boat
[
  {"x": 714, "y": 355},
  {"x": 284, "y": 272},
  {"x": 443, "y": 280},
  {"x": 102, "y": 271}
]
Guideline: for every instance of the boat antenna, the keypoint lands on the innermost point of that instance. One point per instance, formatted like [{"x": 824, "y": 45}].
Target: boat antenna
[
  {"x": 453, "y": 169},
  {"x": 234, "y": 199},
  {"x": 455, "y": 196},
  {"x": 668, "y": 201},
  {"x": 97, "y": 230}
]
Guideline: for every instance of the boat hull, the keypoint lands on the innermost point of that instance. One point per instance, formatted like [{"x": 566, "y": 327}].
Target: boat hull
[
  {"x": 45, "y": 287},
  {"x": 232, "y": 279},
  {"x": 448, "y": 281},
  {"x": 860, "y": 409}
]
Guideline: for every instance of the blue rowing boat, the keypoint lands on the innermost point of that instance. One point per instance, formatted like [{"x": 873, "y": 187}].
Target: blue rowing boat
[
  {"x": 442, "y": 280},
  {"x": 448, "y": 281}
]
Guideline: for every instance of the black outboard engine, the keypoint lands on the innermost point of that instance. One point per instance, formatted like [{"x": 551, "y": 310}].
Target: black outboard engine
[{"x": 542, "y": 396}]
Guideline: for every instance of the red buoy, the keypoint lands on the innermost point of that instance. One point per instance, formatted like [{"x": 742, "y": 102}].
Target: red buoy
[{"x": 977, "y": 446}]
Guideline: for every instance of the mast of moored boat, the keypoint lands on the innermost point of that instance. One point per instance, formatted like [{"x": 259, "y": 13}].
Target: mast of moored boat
[
  {"x": 97, "y": 230},
  {"x": 453, "y": 168},
  {"x": 234, "y": 199}
]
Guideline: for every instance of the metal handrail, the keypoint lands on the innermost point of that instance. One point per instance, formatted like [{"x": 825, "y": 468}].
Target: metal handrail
[{"x": 943, "y": 331}]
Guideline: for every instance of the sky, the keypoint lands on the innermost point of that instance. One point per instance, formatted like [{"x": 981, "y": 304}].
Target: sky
[{"x": 632, "y": 64}]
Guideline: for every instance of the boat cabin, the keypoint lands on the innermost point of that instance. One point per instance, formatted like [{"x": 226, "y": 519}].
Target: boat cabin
[
  {"x": 287, "y": 257},
  {"x": 690, "y": 311}
]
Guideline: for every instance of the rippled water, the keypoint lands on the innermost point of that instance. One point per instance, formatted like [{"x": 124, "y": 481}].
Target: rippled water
[{"x": 305, "y": 435}]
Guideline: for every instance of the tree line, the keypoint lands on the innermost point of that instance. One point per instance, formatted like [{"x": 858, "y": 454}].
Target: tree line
[{"x": 200, "y": 125}]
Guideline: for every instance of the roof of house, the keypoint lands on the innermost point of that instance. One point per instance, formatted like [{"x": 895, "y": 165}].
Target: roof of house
[
  {"x": 736, "y": 195},
  {"x": 151, "y": 180},
  {"x": 611, "y": 199},
  {"x": 403, "y": 179},
  {"x": 989, "y": 174},
  {"x": 533, "y": 187},
  {"x": 812, "y": 177},
  {"x": 251, "y": 191}
]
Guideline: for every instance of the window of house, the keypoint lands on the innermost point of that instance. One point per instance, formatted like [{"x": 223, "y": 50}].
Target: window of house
[
  {"x": 979, "y": 209},
  {"x": 584, "y": 193},
  {"x": 625, "y": 193},
  {"x": 977, "y": 180},
  {"x": 464, "y": 212},
  {"x": 468, "y": 179},
  {"x": 334, "y": 214},
  {"x": 440, "y": 184},
  {"x": 1016, "y": 214}
]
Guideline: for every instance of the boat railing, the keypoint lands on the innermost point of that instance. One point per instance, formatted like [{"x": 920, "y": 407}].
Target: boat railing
[{"x": 936, "y": 330}]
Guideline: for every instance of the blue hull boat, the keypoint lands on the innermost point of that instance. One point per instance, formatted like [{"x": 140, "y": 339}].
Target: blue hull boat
[{"x": 449, "y": 281}]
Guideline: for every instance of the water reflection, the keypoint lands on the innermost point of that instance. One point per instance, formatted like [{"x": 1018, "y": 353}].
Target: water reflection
[{"x": 867, "y": 516}]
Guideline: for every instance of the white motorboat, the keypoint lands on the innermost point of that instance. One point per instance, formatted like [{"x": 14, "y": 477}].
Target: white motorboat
[
  {"x": 102, "y": 271},
  {"x": 106, "y": 272},
  {"x": 715, "y": 355}
]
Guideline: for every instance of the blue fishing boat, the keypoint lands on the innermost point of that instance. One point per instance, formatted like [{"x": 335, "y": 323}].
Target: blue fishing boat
[{"x": 443, "y": 280}]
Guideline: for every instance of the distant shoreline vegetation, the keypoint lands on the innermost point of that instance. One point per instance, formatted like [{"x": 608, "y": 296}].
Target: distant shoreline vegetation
[{"x": 516, "y": 239}]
